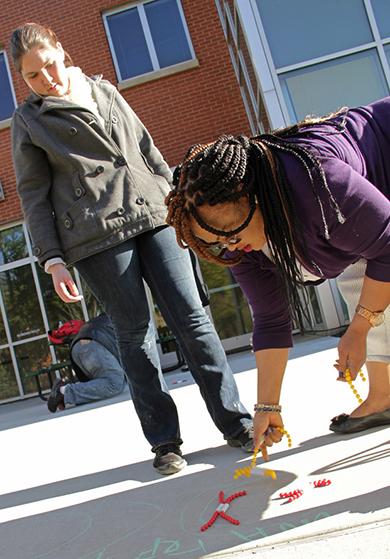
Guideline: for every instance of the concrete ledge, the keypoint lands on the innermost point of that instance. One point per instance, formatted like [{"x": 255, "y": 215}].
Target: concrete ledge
[
  {"x": 150, "y": 76},
  {"x": 5, "y": 123}
]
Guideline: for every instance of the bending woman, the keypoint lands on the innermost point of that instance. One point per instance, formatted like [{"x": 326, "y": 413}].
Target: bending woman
[
  {"x": 92, "y": 186},
  {"x": 307, "y": 203}
]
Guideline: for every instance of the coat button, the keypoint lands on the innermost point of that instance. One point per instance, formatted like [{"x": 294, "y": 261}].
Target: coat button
[
  {"x": 120, "y": 211},
  {"x": 140, "y": 201},
  {"x": 99, "y": 169},
  {"x": 72, "y": 131},
  {"x": 68, "y": 223},
  {"x": 114, "y": 120},
  {"x": 36, "y": 251},
  {"x": 120, "y": 161},
  {"x": 79, "y": 192}
]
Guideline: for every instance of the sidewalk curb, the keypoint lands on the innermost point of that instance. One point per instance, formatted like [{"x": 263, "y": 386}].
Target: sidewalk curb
[{"x": 277, "y": 544}]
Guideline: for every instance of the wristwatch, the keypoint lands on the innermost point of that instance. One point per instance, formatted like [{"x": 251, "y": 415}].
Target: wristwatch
[{"x": 375, "y": 318}]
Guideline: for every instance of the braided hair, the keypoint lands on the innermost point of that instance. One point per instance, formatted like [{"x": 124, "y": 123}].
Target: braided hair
[{"x": 234, "y": 167}]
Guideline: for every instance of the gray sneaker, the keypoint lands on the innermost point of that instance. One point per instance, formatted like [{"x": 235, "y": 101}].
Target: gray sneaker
[{"x": 169, "y": 459}]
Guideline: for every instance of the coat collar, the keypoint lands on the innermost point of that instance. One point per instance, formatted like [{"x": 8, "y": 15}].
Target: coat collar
[{"x": 101, "y": 93}]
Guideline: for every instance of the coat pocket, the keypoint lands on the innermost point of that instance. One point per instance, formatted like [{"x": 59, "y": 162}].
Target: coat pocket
[{"x": 78, "y": 224}]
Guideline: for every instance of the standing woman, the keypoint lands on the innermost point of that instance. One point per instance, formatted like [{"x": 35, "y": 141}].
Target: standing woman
[
  {"x": 306, "y": 203},
  {"x": 92, "y": 186}
]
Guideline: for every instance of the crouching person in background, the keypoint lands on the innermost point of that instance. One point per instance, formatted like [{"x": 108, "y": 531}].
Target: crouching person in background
[{"x": 95, "y": 360}]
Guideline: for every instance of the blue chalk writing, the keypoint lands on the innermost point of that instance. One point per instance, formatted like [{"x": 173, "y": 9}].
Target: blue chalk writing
[
  {"x": 259, "y": 533},
  {"x": 172, "y": 548}
]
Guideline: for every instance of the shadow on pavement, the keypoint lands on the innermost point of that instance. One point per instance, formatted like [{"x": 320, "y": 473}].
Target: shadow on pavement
[{"x": 161, "y": 517}]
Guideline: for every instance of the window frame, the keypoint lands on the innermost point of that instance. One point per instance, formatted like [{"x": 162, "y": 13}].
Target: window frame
[
  {"x": 288, "y": 99},
  {"x": 11, "y": 343},
  {"x": 6, "y": 122},
  {"x": 157, "y": 71},
  {"x": 377, "y": 44}
]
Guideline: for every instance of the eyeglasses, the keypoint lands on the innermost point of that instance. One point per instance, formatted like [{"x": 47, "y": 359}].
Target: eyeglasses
[{"x": 217, "y": 248}]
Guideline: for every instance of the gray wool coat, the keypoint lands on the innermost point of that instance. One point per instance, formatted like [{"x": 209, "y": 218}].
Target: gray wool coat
[{"x": 83, "y": 188}]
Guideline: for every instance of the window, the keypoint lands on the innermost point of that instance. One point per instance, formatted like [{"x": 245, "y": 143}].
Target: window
[
  {"x": 28, "y": 308},
  {"x": 30, "y": 357},
  {"x": 21, "y": 303},
  {"x": 324, "y": 55},
  {"x": 12, "y": 245},
  {"x": 382, "y": 15},
  {"x": 242, "y": 62},
  {"x": 355, "y": 80},
  {"x": 303, "y": 29},
  {"x": 3, "y": 337},
  {"x": 387, "y": 51},
  {"x": 229, "y": 308},
  {"x": 7, "y": 98},
  {"x": 147, "y": 37},
  {"x": 8, "y": 385}
]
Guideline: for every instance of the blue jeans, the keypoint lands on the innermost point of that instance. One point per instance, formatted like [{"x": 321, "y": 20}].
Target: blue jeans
[
  {"x": 116, "y": 278},
  {"x": 106, "y": 376}
]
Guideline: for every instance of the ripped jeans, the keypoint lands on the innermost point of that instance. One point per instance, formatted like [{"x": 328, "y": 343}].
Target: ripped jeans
[
  {"x": 105, "y": 374},
  {"x": 116, "y": 277}
]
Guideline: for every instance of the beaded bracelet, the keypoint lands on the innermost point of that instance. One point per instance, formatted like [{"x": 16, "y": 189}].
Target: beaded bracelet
[{"x": 275, "y": 408}]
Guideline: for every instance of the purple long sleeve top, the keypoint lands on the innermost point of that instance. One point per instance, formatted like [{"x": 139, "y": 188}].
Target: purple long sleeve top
[{"x": 356, "y": 162}]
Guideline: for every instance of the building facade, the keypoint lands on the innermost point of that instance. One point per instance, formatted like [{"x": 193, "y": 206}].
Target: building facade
[{"x": 191, "y": 70}]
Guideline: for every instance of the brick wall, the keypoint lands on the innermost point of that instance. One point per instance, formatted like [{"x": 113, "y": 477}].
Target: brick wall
[{"x": 185, "y": 108}]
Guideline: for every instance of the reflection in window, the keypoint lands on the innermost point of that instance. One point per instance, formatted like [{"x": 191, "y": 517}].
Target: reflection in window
[
  {"x": 382, "y": 15},
  {"x": 303, "y": 29},
  {"x": 166, "y": 28},
  {"x": 228, "y": 305},
  {"x": 356, "y": 80},
  {"x": 21, "y": 303},
  {"x": 387, "y": 52},
  {"x": 343, "y": 304},
  {"x": 7, "y": 105},
  {"x": 164, "y": 334},
  {"x": 62, "y": 352},
  {"x": 94, "y": 308},
  {"x": 12, "y": 245},
  {"x": 8, "y": 384},
  {"x": 215, "y": 276},
  {"x": 31, "y": 356},
  {"x": 56, "y": 309},
  {"x": 3, "y": 338},
  {"x": 314, "y": 305},
  {"x": 128, "y": 39},
  {"x": 231, "y": 313}
]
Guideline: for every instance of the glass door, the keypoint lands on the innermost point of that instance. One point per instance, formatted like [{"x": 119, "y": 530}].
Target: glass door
[
  {"x": 228, "y": 307},
  {"x": 29, "y": 307}
]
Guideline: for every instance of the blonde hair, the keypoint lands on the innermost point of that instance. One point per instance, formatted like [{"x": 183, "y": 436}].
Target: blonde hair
[{"x": 31, "y": 35}]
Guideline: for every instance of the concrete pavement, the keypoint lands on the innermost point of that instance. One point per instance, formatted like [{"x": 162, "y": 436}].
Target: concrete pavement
[{"x": 80, "y": 484}]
